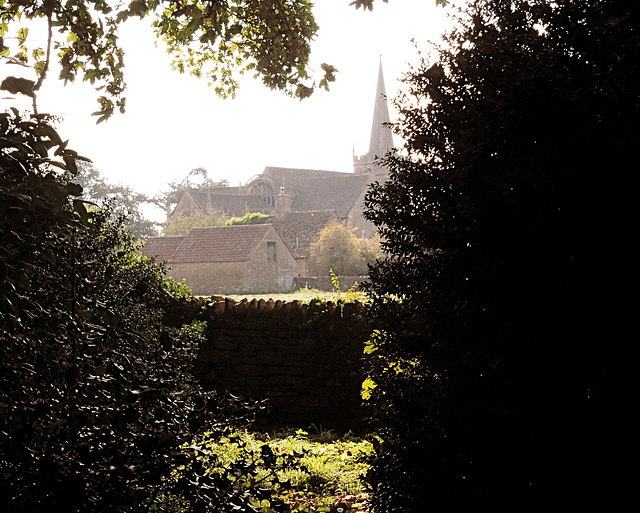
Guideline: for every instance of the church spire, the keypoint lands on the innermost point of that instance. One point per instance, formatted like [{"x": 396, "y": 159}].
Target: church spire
[{"x": 381, "y": 140}]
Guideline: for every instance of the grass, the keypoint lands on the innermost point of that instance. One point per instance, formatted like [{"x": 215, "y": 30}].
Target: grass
[
  {"x": 329, "y": 473},
  {"x": 302, "y": 295}
]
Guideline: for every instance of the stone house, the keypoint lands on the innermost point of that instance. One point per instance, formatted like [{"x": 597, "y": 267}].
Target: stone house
[{"x": 227, "y": 259}]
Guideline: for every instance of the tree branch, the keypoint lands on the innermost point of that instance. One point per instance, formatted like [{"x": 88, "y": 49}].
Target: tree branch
[{"x": 43, "y": 73}]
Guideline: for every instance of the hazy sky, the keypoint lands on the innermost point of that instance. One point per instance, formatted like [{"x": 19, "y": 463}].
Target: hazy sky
[{"x": 175, "y": 123}]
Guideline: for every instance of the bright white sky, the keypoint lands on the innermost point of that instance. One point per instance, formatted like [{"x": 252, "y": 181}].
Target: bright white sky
[{"x": 175, "y": 123}]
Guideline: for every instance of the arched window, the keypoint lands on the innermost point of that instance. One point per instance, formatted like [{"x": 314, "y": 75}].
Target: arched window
[{"x": 265, "y": 191}]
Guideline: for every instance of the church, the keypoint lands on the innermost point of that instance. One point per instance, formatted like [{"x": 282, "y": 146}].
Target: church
[
  {"x": 278, "y": 191},
  {"x": 300, "y": 202}
]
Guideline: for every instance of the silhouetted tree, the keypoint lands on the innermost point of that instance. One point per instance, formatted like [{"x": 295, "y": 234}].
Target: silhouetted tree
[
  {"x": 123, "y": 202},
  {"x": 501, "y": 359}
]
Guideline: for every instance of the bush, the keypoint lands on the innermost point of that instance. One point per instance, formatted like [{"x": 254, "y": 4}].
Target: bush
[
  {"x": 337, "y": 249},
  {"x": 182, "y": 225},
  {"x": 248, "y": 218},
  {"x": 96, "y": 390}
]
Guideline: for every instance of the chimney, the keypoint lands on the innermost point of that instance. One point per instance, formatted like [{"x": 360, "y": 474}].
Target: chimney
[{"x": 283, "y": 204}]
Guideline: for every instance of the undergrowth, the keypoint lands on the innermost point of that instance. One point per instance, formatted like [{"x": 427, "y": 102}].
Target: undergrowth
[{"x": 314, "y": 473}]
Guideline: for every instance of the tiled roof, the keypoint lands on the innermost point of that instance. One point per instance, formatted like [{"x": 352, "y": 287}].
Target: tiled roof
[
  {"x": 339, "y": 193},
  {"x": 161, "y": 247},
  {"x": 299, "y": 229},
  {"x": 295, "y": 180},
  {"x": 220, "y": 243}
]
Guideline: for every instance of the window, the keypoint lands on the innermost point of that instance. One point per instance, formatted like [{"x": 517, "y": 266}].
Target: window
[
  {"x": 265, "y": 191},
  {"x": 271, "y": 252}
]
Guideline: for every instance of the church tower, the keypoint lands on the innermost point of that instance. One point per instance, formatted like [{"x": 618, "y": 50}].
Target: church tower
[{"x": 381, "y": 140}]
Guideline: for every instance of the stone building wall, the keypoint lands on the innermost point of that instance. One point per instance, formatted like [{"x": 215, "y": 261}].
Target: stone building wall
[
  {"x": 209, "y": 278},
  {"x": 264, "y": 275}
]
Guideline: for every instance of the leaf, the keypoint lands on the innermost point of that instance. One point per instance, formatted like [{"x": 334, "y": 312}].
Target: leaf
[
  {"x": 137, "y": 7},
  {"x": 55, "y": 194},
  {"x": 74, "y": 189},
  {"x": 81, "y": 210},
  {"x": 17, "y": 85},
  {"x": 23, "y": 32},
  {"x": 367, "y": 388}
]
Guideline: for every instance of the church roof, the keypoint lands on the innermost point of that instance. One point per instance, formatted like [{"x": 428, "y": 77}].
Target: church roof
[
  {"x": 230, "y": 204},
  {"x": 220, "y": 243},
  {"x": 339, "y": 193},
  {"x": 295, "y": 179}
]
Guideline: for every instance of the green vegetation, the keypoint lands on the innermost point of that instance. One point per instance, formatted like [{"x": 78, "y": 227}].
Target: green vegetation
[
  {"x": 248, "y": 218},
  {"x": 307, "y": 473},
  {"x": 339, "y": 251},
  {"x": 181, "y": 225},
  {"x": 215, "y": 40},
  {"x": 95, "y": 392}
]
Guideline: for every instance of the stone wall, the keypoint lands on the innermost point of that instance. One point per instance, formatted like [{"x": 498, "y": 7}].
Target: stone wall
[{"x": 305, "y": 358}]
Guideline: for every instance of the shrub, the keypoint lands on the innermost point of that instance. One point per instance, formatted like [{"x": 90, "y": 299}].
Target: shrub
[
  {"x": 248, "y": 218},
  {"x": 96, "y": 390},
  {"x": 337, "y": 249},
  {"x": 181, "y": 225}
]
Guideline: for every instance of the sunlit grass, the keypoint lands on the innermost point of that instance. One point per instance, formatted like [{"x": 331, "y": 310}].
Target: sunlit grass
[
  {"x": 331, "y": 469},
  {"x": 302, "y": 295}
]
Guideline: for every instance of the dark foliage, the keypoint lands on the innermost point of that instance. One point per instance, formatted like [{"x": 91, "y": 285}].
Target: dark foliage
[
  {"x": 509, "y": 289},
  {"x": 96, "y": 390}
]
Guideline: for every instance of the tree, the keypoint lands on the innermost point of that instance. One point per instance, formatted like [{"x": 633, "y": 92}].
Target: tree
[
  {"x": 181, "y": 225},
  {"x": 370, "y": 251},
  {"x": 501, "y": 305},
  {"x": 196, "y": 179},
  {"x": 336, "y": 249},
  {"x": 123, "y": 202},
  {"x": 218, "y": 40}
]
